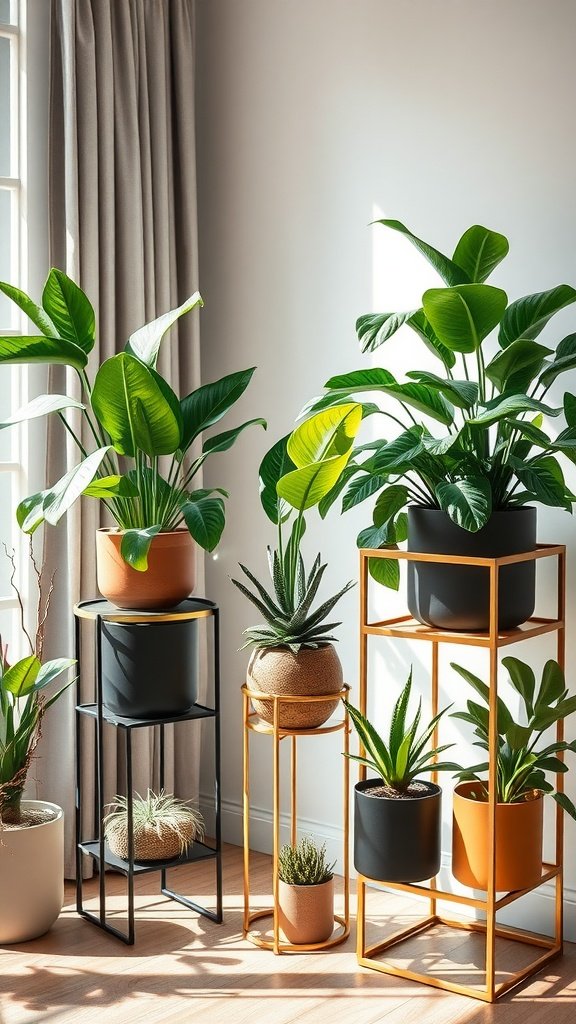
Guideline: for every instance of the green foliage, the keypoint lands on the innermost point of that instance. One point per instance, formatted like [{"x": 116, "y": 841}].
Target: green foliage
[
  {"x": 304, "y": 864},
  {"x": 129, "y": 411},
  {"x": 403, "y": 757},
  {"x": 491, "y": 454},
  {"x": 521, "y": 768},
  {"x": 163, "y": 812}
]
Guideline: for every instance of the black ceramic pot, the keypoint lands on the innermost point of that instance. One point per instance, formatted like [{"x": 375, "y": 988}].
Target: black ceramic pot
[
  {"x": 397, "y": 840},
  {"x": 149, "y": 670},
  {"x": 458, "y": 596}
]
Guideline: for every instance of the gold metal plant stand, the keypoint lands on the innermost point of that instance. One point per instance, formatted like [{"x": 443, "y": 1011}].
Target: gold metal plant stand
[
  {"x": 493, "y": 640},
  {"x": 254, "y": 724}
]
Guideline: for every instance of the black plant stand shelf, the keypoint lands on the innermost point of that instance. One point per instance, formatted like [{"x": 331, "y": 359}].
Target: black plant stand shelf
[{"x": 101, "y": 611}]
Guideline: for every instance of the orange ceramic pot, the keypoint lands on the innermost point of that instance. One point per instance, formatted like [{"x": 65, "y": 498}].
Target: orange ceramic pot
[
  {"x": 306, "y": 912},
  {"x": 311, "y": 672},
  {"x": 170, "y": 576},
  {"x": 518, "y": 840}
]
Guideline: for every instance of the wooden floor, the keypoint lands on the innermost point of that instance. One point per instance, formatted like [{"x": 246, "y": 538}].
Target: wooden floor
[{"x": 185, "y": 969}]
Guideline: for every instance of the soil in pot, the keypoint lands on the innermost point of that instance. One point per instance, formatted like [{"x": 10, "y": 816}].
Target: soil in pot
[
  {"x": 457, "y": 597},
  {"x": 169, "y": 578},
  {"x": 397, "y": 837},
  {"x": 306, "y": 912},
  {"x": 31, "y": 872},
  {"x": 311, "y": 672},
  {"x": 518, "y": 840}
]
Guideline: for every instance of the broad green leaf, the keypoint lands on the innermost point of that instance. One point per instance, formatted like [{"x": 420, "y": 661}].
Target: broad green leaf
[
  {"x": 135, "y": 546},
  {"x": 34, "y": 349},
  {"x": 527, "y": 317},
  {"x": 418, "y": 396},
  {"x": 320, "y": 449},
  {"x": 468, "y": 502},
  {"x": 325, "y": 503},
  {"x": 544, "y": 717},
  {"x": 303, "y": 488},
  {"x": 145, "y": 342},
  {"x": 361, "y": 488},
  {"x": 389, "y": 502},
  {"x": 399, "y": 454},
  {"x": 541, "y": 478},
  {"x": 210, "y": 402},
  {"x": 372, "y": 379},
  {"x": 69, "y": 310},
  {"x": 29, "y": 513},
  {"x": 462, "y": 393},
  {"x": 136, "y": 407},
  {"x": 524, "y": 355},
  {"x": 552, "y": 686},
  {"x": 523, "y": 680},
  {"x": 205, "y": 520},
  {"x": 528, "y": 429},
  {"x": 374, "y": 537},
  {"x": 449, "y": 271},
  {"x": 463, "y": 316},
  {"x": 385, "y": 571},
  {"x": 504, "y": 716},
  {"x": 113, "y": 486},
  {"x": 565, "y": 803},
  {"x": 20, "y": 678},
  {"x": 570, "y": 409},
  {"x": 479, "y": 252},
  {"x": 41, "y": 406},
  {"x": 33, "y": 311},
  {"x": 509, "y": 405},
  {"x": 275, "y": 464},
  {"x": 421, "y": 326},
  {"x": 50, "y": 670},
  {"x": 565, "y": 359},
  {"x": 64, "y": 493},
  {"x": 373, "y": 329},
  {"x": 440, "y": 445},
  {"x": 222, "y": 442}
]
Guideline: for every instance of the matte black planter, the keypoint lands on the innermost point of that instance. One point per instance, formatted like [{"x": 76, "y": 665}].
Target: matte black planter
[
  {"x": 397, "y": 840},
  {"x": 149, "y": 669},
  {"x": 458, "y": 596}
]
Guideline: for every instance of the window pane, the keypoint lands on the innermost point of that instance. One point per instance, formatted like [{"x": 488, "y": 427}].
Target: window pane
[
  {"x": 9, "y": 632},
  {"x": 5, "y": 83},
  {"x": 7, "y": 518},
  {"x": 5, "y": 18},
  {"x": 5, "y": 410},
  {"x": 7, "y": 308}
]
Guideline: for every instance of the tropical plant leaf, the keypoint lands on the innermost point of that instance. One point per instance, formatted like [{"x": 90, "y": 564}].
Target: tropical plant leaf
[
  {"x": 388, "y": 503},
  {"x": 33, "y": 311},
  {"x": 565, "y": 803},
  {"x": 522, "y": 355},
  {"x": 361, "y": 488},
  {"x": 527, "y": 317},
  {"x": 135, "y": 546},
  {"x": 205, "y": 519},
  {"x": 523, "y": 680},
  {"x": 468, "y": 502},
  {"x": 541, "y": 479},
  {"x": 385, "y": 571},
  {"x": 552, "y": 686},
  {"x": 570, "y": 409},
  {"x": 136, "y": 407},
  {"x": 421, "y": 326},
  {"x": 210, "y": 402},
  {"x": 463, "y": 316},
  {"x": 462, "y": 393},
  {"x": 50, "y": 671},
  {"x": 450, "y": 272},
  {"x": 373, "y": 329},
  {"x": 33, "y": 349},
  {"x": 144, "y": 344},
  {"x": 113, "y": 486},
  {"x": 509, "y": 405},
  {"x": 275, "y": 464},
  {"x": 565, "y": 359},
  {"x": 53, "y": 503},
  {"x": 41, "y": 406},
  {"x": 320, "y": 449},
  {"x": 70, "y": 310},
  {"x": 479, "y": 252},
  {"x": 20, "y": 678},
  {"x": 222, "y": 442}
]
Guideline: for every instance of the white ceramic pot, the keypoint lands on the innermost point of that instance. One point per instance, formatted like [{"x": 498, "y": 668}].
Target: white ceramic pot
[{"x": 31, "y": 875}]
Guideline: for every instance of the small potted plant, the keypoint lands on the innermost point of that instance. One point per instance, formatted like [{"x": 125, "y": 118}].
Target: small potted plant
[
  {"x": 305, "y": 893},
  {"x": 397, "y": 815},
  {"x": 293, "y": 650},
  {"x": 31, "y": 831},
  {"x": 468, "y": 452},
  {"x": 163, "y": 826},
  {"x": 521, "y": 779}
]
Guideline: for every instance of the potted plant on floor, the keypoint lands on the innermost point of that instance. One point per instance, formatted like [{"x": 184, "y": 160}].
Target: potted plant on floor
[
  {"x": 135, "y": 420},
  {"x": 163, "y": 826},
  {"x": 467, "y": 451},
  {"x": 293, "y": 650},
  {"x": 521, "y": 779},
  {"x": 31, "y": 831},
  {"x": 397, "y": 815},
  {"x": 305, "y": 893}
]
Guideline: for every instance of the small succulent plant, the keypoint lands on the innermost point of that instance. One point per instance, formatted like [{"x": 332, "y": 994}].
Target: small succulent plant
[{"x": 304, "y": 864}]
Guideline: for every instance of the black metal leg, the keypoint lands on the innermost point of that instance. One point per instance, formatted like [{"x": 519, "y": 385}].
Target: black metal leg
[
  {"x": 217, "y": 768},
  {"x": 130, "y": 823},
  {"x": 78, "y": 791},
  {"x": 100, "y": 778},
  {"x": 161, "y": 780}
]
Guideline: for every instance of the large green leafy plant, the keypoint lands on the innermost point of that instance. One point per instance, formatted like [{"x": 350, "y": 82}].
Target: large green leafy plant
[
  {"x": 468, "y": 439},
  {"x": 521, "y": 768},
  {"x": 133, "y": 418}
]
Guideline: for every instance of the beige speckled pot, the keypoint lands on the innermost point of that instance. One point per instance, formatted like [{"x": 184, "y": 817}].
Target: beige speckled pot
[
  {"x": 275, "y": 670},
  {"x": 306, "y": 912},
  {"x": 169, "y": 578},
  {"x": 31, "y": 875}
]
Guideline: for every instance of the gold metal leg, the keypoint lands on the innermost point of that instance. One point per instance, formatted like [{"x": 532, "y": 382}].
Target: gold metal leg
[
  {"x": 246, "y": 811},
  {"x": 293, "y": 784},
  {"x": 276, "y": 824}
]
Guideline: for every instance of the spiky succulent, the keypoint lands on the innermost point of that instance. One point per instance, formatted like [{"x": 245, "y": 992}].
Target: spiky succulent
[
  {"x": 304, "y": 864},
  {"x": 287, "y": 609}
]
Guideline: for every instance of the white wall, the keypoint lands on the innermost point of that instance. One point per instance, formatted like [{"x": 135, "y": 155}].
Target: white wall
[{"x": 315, "y": 116}]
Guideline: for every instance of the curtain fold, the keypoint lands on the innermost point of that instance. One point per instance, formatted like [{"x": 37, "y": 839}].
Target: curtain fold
[{"x": 122, "y": 200}]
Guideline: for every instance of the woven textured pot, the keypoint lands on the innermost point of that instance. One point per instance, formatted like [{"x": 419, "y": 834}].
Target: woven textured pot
[
  {"x": 31, "y": 875},
  {"x": 149, "y": 843},
  {"x": 306, "y": 912},
  {"x": 518, "y": 841},
  {"x": 169, "y": 578},
  {"x": 276, "y": 671}
]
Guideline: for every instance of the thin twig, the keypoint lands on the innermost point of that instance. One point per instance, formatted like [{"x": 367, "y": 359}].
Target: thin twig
[
  {"x": 11, "y": 558},
  {"x": 43, "y": 607}
]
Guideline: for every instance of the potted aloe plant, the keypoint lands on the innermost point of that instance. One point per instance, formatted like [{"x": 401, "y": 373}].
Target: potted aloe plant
[
  {"x": 293, "y": 648},
  {"x": 524, "y": 760},
  {"x": 397, "y": 814},
  {"x": 467, "y": 452},
  {"x": 140, "y": 460},
  {"x": 305, "y": 893},
  {"x": 31, "y": 831}
]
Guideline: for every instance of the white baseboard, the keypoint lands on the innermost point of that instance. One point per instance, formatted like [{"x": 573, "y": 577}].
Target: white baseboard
[{"x": 534, "y": 912}]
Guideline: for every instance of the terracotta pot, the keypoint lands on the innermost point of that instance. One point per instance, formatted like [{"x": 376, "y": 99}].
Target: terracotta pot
[
  {"x": 518, "y": 841},
  {"x": 275, "y": 670},
  {"x": 170, "y": 576},
  {"x": 31, "y": 875},
  {"x": 306, "y": 912}
]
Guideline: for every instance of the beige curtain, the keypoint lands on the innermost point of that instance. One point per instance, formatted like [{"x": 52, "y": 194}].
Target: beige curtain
[{"x": 123, "y": 225}]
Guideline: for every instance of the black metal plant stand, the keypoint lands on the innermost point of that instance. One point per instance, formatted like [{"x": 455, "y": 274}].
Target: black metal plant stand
[{"x": 101, "y": 611}]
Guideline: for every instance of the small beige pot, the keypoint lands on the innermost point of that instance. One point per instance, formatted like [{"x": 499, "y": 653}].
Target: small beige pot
[
  {"x": 169, "y": 578},
  {"x": 306, "y": 912},
  {"x": 313, "y": 671},
  {"x": 31, "y": 875}
]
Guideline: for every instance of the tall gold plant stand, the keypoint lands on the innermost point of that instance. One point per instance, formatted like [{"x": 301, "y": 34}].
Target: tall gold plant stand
[
  {"x": 407, "y": 628},
  {"x": 254, "y": 724}
]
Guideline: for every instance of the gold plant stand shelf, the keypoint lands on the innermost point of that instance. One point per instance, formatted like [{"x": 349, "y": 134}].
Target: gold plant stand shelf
[
  {"x": 407, "y": 628},
  {"x": 254, "y": 724}
]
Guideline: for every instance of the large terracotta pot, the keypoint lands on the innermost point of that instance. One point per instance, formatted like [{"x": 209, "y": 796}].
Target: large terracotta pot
[
  {"x": 518, "y": 841},
  {"x": 306, "y": 912},
  {"x": 31, "y": 875},
  {"x": 313, "y": 671},
  {"x": 170, "y": 576}
]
